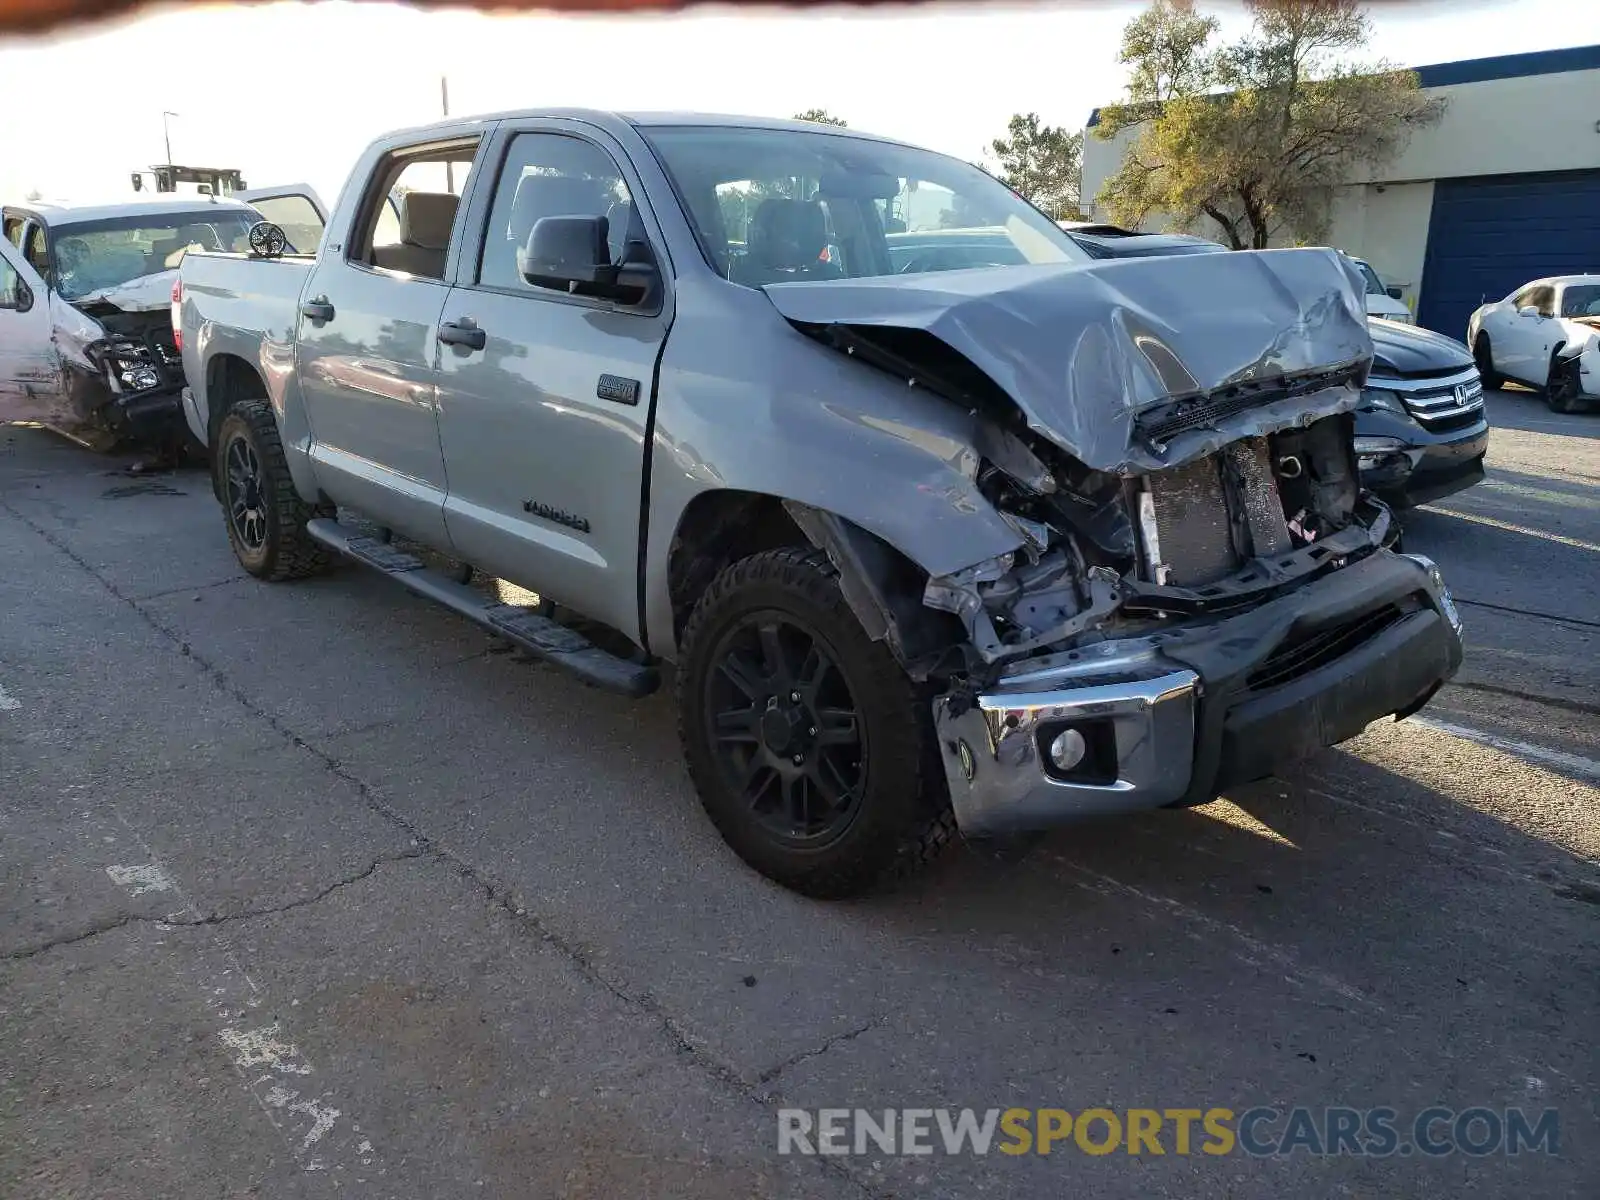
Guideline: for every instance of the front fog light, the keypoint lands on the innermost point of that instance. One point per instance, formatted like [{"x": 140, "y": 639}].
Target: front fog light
[
  {"x": 1378, "y": 445},
  {"x": 1067, "y": 749}
]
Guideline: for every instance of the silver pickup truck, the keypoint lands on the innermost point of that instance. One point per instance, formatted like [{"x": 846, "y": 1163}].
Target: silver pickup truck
[{"x": 929, "y": 549}]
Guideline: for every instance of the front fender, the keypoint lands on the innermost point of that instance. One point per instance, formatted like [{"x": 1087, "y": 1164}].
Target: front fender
[{"x": 745, "y": 401}]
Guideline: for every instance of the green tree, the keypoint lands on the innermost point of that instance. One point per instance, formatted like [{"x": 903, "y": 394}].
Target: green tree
[
  {"x": 822, "y": 117},
  {"x": 1042, "y": 163},
  {"x": 1254, "y": 136}
]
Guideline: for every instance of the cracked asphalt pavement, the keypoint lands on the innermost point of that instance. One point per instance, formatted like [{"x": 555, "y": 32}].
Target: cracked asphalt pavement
[{"x": 312, "y": 890}]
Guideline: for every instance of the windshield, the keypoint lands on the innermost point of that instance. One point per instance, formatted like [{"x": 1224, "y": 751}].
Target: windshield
[
  {"x": 1581, "y": 300},
  {"x": 773, "y": 205},
  {"x": 98, "y": 255},
  {"x": 1374, "y": 284}
]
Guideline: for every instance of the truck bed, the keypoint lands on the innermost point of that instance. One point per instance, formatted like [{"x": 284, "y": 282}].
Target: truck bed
[{"x": 248, "y": 301}]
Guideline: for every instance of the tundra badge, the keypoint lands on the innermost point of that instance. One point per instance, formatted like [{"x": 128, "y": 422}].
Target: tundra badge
[
  {"x": 559, "y": 516},
  {"x": 618, "y": 389}
]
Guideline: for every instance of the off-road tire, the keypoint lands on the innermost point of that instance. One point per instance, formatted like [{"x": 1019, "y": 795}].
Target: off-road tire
[
  {"x": 1484, "y": 360},
  {"x": 287, "y": 551},
  {"x": 903, "y": 819}
]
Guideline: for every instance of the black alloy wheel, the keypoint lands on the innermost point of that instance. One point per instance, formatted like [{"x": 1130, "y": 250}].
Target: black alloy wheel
[
  {"x": 1563, "y": 387},
  {"x": 811, "y": 750},
  {"x": 242, "y": 494},
  {"x": 787, "y": 731},
  {"x": 266, "y": 517}
]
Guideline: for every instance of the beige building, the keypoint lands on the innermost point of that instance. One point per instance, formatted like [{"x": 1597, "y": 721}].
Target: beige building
[{"x": 1505, "y": 189}]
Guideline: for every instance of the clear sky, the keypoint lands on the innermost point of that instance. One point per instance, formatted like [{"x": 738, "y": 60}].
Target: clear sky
[{"x": 290, "y": 92}]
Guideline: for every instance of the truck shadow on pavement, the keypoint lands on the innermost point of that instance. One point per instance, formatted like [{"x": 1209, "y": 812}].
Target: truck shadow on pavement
[{"x": 1337, "y": 879}]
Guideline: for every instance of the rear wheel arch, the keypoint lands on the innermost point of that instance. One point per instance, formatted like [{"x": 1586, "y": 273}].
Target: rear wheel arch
[{"x": 229, "y": 379}]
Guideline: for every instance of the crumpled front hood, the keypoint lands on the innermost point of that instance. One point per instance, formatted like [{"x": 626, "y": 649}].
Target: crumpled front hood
[
  {"x": 1133, "y": 365},
  {"x": 144, "y": 294}
]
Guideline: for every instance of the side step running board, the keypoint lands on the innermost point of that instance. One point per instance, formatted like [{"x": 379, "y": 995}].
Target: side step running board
[{"x": 539, "y": 635}]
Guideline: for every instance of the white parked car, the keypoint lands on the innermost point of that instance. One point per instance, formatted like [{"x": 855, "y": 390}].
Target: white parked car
[
  {"x": 1546, "y": 334},
  {"x": 1382, "y": 300}
]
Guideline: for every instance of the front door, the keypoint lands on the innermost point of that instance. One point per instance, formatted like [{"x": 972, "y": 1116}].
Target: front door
[
  {"x": 1525, "y": 334},
  {"x": 367, "y": 352},
  {"x": 31, "y": 386},
  {"x": 544, "y": 424}
]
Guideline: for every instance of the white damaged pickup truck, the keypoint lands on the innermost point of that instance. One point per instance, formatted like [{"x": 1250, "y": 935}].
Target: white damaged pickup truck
[
  {"x": 86, "y": 336},
  {"x": 929, "y": 549}
]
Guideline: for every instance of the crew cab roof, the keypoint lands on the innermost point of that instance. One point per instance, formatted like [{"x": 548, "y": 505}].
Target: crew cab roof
[
  {"x": 58, "y": 216},
  {"x": 608, "y": 119}
]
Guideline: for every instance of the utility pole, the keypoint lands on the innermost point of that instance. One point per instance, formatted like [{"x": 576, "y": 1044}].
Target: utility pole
[
  {"x": 444, "y": 103},
  {"x": 166, "y": 134}
]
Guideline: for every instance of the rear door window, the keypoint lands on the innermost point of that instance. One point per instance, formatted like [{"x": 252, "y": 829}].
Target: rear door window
[{"x": 411, "y": 210}]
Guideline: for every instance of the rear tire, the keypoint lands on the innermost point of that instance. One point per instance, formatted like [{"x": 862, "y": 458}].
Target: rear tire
[
  {"x": 1482, "y": 355},
  {"x": 265, "y": 516},
  {"x": 811, "y": 750}
]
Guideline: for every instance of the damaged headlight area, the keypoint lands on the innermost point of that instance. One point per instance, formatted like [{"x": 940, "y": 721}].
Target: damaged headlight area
[
  {"x": 1106, "y": 555},
  {"x": 136, "y": 366},
  {"x": 131, "y": 366}
]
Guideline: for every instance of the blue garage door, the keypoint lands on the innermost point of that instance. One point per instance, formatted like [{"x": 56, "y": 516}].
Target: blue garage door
[{"x": 1491, "y": 234}]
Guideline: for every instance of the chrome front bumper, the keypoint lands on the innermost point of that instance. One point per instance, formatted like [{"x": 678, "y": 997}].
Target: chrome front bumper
[
  {"x": 996, "y": 751},
  {"x": 1179, "y": 717}
]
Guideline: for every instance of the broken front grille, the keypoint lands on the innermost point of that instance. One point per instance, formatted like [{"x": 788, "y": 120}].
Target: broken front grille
[{"x": 1160, "y": 423}]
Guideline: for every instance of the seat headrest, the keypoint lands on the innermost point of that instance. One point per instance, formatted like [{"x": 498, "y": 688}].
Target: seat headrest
[
  {"x": 426, "y": 217},
  {"x": 551, "y": 196},
  {"x": 788, "y": 234}
]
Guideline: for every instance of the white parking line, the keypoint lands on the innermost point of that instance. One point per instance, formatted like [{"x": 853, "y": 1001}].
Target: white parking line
[
  {"x": 1542, "y": 755},
  {"x": 272, "y": 1068},
  {"x": 1479, "y": 519},
  {"x": 8, "y": 702}
]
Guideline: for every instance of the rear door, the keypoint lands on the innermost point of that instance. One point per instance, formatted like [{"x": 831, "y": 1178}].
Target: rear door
[
  {"x": 366, "y": 353},
  {"x": 30, "y": 368},
  {"x": 544, "y": 425}
]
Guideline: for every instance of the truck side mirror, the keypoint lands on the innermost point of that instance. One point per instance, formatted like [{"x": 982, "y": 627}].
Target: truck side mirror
[
  {"x": 1393, "y": 291},
  {"x": 573, "y": 254},
  {"x": 1527, "y": 310}
]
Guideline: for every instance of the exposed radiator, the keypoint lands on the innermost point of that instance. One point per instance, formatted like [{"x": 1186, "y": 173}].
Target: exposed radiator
[
  {"x": 1184, "y": 515},
  {"x": 1187, "y": 506},
  {"x": 1251, "y": 461}
]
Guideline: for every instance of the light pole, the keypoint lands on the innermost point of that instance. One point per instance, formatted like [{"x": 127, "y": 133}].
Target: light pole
[{"x": 166, "y": 134}]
